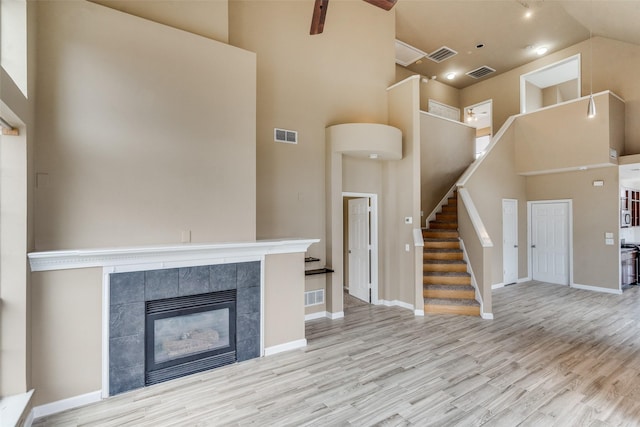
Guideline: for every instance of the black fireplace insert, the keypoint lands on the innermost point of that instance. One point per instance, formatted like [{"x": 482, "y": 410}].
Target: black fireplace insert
[{"x": 189, "y": 334}]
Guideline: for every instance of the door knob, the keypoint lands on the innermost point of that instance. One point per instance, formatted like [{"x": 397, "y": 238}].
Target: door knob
[
  {"x": 515, "y": 246},
  {"x": 533, "y": 246}
]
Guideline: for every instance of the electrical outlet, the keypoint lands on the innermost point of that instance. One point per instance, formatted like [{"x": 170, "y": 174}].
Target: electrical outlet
[
  {"x": 407, "y": 248},
  {"x": 408, "y": 220},
  {"x": 185, "y": 236}
]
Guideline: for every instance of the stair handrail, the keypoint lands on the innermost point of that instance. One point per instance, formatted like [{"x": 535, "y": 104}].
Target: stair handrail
[
  {"x": 466, "y": 175},
  {"x": 476, "y": 221},
  {"x": 442, "y": 201}
]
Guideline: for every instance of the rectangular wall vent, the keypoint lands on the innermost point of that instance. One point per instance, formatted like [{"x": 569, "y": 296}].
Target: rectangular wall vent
[
  {"x": 314, "y": 297},
  {"x": 442, "y": 54},
  {"x": 286, "y": 136},
  {"x": 478, "y": 73}
]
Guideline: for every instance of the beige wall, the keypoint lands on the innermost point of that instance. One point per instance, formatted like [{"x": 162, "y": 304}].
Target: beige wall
[
  {"x": 433, "y": 89},
  {"x": 446, "y": 150},
  {"x": 306, "y": 83},
  {"x": 564, "y": 137},
  {"x": 595, "y": 212},
  {"x": 16, "y": 193},
  {"x": 205, "y": 18},
  {"x": 401, "y": 181},
  {"x": 480, "y": 258},
  {"x": 494, "y": 180},
  {"x": 14, "y": 322},
  {"x": 615, "y": 67},
  {"x": 439, "y": 92},
  {"x": 284, "y": 288},
  {"x": 135, "y": 149},
  {"x": 67, "y": 333}
]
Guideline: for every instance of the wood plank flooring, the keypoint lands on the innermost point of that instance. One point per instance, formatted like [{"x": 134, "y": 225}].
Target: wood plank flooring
[{"x": 553, "y": 356}]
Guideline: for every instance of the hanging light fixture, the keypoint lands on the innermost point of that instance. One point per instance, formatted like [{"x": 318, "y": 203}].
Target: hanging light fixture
[{"x": 591, "y": 107}]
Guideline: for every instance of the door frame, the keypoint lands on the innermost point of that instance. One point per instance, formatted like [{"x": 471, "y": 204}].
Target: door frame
[
  {"x": 518, "y": 256},
  {"x": 373, "y": 228},
  {"x": 549, "y": 69},
  {"x": 464, "y": 113},
  {"x": 569, "y": 203}
]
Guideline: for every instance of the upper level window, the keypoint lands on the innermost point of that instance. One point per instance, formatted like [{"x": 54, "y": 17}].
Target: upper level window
[{"x": 13, "y": 41}]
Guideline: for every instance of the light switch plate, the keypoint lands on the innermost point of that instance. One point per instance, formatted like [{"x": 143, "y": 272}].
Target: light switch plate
[
  {"x": 608, "y": 242},
  {"x": 608, "y": 235}
]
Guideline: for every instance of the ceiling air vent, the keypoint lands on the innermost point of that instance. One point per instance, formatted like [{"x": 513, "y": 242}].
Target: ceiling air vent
[
  {"x": 406, "y": 54},
  {"x": 479, "y": 73},
  {"x": 286, "y": 136},
  {"x": 442, "y": 54}
]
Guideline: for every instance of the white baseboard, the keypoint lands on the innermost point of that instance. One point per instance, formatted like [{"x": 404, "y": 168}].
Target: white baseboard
[
  {"x": 487, "y": 316},
  {"x": 316, "y": 315},
  {"x": 524, "y": 279},
  {"x": 64, "y": 404},
  {"x": 324, "y": 314},
  {"x": 597, "y": 289},
  {"x": 292, "y": 345},
  {"x": 396, "y": 303},
  {"x": 497, "y": 286},
  {"x": 418, "y": 312}
]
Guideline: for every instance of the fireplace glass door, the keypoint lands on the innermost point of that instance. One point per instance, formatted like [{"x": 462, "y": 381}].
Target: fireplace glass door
[{"x": 187, "y": 334}]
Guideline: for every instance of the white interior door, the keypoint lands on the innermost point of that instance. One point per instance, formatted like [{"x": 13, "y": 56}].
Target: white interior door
[
  {"x": 359, "y": 248},
  {"x": 550, "y": 242},
  {"x": 509, "y": 241}
]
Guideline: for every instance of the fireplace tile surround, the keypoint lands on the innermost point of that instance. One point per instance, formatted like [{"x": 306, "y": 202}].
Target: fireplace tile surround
[
  {"x": 131, "y": 290},
  {"x": 279, "y": 325}
]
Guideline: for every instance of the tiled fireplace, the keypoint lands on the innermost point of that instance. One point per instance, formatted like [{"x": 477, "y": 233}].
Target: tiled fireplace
[
  {"x": 168, "y": 323},
  {"x": 266, "y": 276}
]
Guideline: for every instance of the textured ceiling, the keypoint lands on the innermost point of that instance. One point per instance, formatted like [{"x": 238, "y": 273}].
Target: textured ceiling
[{"x": 508, "y": 36}]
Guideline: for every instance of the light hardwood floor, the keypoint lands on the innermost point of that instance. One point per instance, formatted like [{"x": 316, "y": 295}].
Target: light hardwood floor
[{"x": 552, "y": 356}]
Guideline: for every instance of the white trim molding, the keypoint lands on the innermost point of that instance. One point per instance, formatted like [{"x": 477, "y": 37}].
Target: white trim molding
[
  {"x": 64, "y": 404},
  {"x": 163, "y": 255},
  {"x": 486, "y": 316},
  {"x": 396, "y": 303},
  {"x": 596, "y": 289},
  {"x": 323, "y": 315},
  {"x": 317, "y": 315},
  {"x": 418, "y": 313},
  {"x": 292, "y": 345}
]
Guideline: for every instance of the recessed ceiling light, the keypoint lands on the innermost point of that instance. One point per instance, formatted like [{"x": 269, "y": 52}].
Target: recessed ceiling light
[
  {"x": 542, "y": 50},
  {"x": 528, "y": 14},
  {"x": 373, "y": 156},
  {"x": 451, "y": 76}
]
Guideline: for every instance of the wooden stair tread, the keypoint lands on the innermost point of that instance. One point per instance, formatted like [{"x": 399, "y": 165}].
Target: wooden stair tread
[
  {"x": 452, "y": 301},
  {"x": 447, "y": 285},
  {"x": 445, "y": 261},
  {"x": 439, "y": 287},
  {"x": 447, "y": 273}
]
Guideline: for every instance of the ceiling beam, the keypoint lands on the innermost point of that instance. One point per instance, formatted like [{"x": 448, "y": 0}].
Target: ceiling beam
[
  {"x": 384, "y": 4},
  {"x": 319, "y": 14}
]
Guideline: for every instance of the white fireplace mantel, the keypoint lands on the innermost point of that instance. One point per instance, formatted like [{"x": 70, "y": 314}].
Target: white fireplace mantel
[{"x": 162, "y": 254}]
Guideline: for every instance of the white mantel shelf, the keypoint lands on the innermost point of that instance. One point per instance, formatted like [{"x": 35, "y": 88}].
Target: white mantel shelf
[{"x": 162, "y": 254}]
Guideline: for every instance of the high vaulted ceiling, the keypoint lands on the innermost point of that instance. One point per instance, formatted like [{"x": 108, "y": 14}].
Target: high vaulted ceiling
[{"x": 509, "y": 38}]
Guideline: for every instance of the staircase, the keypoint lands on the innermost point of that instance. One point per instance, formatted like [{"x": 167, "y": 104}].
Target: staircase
[{"x": 446, "y": 284}]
